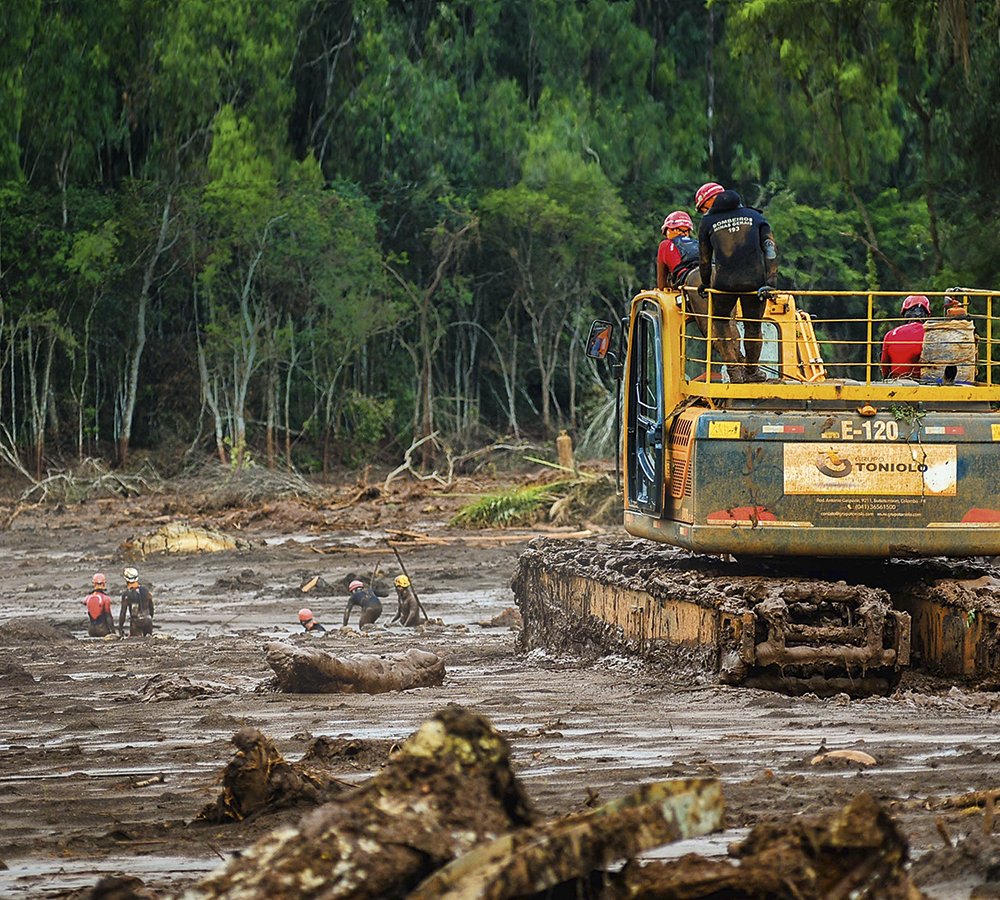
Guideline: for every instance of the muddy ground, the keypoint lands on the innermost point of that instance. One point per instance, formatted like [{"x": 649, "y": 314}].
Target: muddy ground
[{"x": 101, "y": 774}]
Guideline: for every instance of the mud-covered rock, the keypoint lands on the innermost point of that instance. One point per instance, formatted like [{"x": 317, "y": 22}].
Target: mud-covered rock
[{"x": 180, "y": 537}]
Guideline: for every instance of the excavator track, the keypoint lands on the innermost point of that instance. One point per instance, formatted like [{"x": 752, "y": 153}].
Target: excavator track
[{"x": 761, "y": 624}]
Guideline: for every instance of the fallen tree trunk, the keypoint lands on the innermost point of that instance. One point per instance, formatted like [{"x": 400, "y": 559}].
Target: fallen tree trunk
[
  {"x": 535, "y": 860},
  {"x": 449, "y": 788},
  {"x": 309, "y": 671}
]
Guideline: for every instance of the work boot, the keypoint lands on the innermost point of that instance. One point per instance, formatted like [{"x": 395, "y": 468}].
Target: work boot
[
  {"x": 736, "y": 373},
  {"x": 754, "y": 375}
]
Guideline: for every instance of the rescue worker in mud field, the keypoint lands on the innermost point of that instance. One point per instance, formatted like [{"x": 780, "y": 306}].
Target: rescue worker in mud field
[
  {"x": 101, "y": 620},
  {"x": 738, "y": 259},
  {"x": 408, "y": 610},
  {"x": 138, "y": 602},
  {"x": 309, "y": 622},
  {"x": 364, "y": 598}
]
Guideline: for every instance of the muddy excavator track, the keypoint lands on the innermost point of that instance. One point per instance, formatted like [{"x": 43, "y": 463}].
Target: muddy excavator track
[{"x": 791, "y": 627}]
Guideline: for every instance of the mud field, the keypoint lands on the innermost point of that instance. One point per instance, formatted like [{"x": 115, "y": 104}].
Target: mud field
[{"x": 104, "y": 770}]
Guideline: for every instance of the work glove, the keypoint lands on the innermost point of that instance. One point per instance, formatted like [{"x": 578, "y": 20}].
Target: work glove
[
  {"x": 702, "y": 291},
  {"x": 766, "y": 292}
]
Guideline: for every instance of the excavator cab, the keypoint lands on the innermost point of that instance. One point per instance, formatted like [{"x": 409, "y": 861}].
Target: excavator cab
[{"x": 824, "y": 457}]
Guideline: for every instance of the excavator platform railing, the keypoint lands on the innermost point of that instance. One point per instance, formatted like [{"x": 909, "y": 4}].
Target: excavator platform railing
[{"x": 827, "y": 345}]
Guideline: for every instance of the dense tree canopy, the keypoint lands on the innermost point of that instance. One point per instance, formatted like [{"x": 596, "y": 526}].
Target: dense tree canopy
[{"x": 299, "y": 230}]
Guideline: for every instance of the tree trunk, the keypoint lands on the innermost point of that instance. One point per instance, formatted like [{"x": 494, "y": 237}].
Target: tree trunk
[
  {"x": 134, "y": 359},
  {"x": 309, "y": 671}
]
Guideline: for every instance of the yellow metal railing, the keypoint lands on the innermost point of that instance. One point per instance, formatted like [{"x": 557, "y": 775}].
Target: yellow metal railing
[{"x": 820, "y": 341}]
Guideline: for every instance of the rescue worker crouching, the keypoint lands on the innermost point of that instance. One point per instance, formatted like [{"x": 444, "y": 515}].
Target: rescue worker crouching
[
  {"x": 408, "y": 610},
  {"x": 901, "y": 347},
  {"x": 678, "y": 252},
  {"x": 137, "y": 601},
  {"x": 309, "y": 622},
  {"x": 101, "y": 620},
  {"x": 364, "y": 598}
]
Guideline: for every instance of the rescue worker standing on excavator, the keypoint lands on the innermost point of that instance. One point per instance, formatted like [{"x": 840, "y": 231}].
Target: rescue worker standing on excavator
[
  {"x": 137, "y": 601},
  {"x": 738, "y": 259},
  {"x": 364, "y": 598},
  {"x": 101, "y": 620},
  {"x": 901, "y": 347},
  {"x": 678, "y": 252}
]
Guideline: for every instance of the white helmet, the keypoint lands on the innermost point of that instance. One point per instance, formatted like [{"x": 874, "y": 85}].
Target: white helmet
[{"x": 130, "y": 574}]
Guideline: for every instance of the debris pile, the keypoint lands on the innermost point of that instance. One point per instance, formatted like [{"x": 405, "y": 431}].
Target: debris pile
[
  {"x": 855, "y": 852},
  {"x": 449, "y": 788},
  {"x": 447, "y": 818},
  {"x": 259, "y": 778}
]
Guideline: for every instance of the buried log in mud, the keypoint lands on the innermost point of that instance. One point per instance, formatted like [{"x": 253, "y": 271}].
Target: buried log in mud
[
  {"x": 302, "y": 671},
  {"x": 536, "y": 860}
]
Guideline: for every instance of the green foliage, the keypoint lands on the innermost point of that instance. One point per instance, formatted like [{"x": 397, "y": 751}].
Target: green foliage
[
  {"x": 338, "y": 203},
  {"x": 365, "y": 421},
  {"x": 521, "y": 506}
]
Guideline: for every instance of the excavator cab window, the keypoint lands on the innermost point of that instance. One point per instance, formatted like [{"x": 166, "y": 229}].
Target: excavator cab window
[{"x": 646, "y": 413}]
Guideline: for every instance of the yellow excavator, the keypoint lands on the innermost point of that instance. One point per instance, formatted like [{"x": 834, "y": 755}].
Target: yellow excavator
[{"x": 820, "y": 528}]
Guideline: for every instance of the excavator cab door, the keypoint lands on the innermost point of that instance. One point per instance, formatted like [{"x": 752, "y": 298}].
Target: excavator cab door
[{"x": 644, "y": 441}]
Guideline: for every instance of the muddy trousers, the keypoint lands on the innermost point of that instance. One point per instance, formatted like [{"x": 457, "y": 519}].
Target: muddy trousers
[
  {"x": 140, "y": 626},
  {"x": 751, "y": 309},
  {"x": 102, "y": 627}
]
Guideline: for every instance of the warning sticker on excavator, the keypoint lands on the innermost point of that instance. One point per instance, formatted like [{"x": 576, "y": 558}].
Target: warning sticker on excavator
[
  {"x": 729, "y": 430},
  {"x": 889, "y": 470},
  {"x": 995, "y": 429}
]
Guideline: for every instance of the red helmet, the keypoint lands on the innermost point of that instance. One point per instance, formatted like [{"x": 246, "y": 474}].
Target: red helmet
[
  {"x": 305, "y": 615},
  {"x": 915, "y": 300},
  {"x": 355, "y": 585},
  {"x": 100, "y": 580},
  {"x": 705, "y": 193},
  {"x": 677, "y": 219}
]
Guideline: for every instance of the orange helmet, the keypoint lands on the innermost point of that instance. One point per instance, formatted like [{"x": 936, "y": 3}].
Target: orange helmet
[
  {"x": 677, "y": 219},
  {"x": 305, "y": 615},
  {"x": 100, "y": 580},
  {"x": 705, "y": 193}
]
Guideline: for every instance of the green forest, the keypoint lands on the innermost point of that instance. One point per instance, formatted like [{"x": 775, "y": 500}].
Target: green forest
[{"x": 309, "y": 233}]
